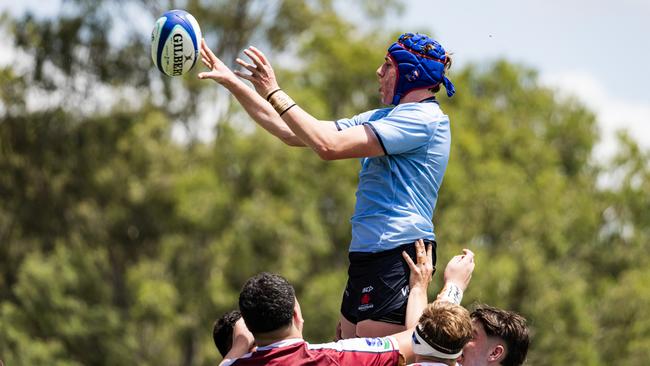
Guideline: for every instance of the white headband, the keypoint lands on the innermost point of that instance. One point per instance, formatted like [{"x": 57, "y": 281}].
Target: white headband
[{"x": 422, "y": 348}]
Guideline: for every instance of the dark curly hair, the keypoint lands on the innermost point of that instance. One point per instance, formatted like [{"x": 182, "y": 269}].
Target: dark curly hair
[
  {"x": 223, "y": 329},
  {"x": 266, "y": 302}
]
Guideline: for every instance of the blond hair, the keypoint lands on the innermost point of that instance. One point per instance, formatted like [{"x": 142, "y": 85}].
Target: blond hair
[{"x": 446, "y": 326}]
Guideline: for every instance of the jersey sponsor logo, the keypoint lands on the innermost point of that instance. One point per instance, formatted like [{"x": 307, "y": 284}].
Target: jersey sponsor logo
[
  {"x": 381, "y": 343},
  {"x": 375, "y": 342},
  {"x": 361, "y": 345}
]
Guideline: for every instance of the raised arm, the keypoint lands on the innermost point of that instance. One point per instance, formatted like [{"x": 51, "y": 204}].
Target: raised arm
[
  {"x": 259, "y": 109},
  {"x": 242, "y": 342},
  {"x": 458, "y": 272},
  {"x": 419, "y": 280},
  {"x": 323, "y": 138}
]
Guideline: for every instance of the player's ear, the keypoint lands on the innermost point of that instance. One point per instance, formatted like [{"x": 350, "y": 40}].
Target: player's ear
[
  {"x": 297, "y": 315},
  {"x": 497, "y": 354}
]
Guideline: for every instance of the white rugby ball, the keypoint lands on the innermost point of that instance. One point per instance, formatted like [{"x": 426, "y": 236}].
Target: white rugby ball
[{"x": 175, "y": 42}]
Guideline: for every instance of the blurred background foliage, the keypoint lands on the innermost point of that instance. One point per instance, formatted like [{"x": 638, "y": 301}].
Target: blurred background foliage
[{"x": 125, "y": 232}]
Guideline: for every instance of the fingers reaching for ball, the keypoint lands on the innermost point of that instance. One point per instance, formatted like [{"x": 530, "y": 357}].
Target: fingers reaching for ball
[
  {"x": 219, "y": 72},
  {"x": 260, "y": 72}
]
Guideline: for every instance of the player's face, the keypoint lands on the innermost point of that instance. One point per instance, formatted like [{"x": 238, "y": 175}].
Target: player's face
[
  {"x": 476, "y": 351},
  {"x": 387, "y": 73}
]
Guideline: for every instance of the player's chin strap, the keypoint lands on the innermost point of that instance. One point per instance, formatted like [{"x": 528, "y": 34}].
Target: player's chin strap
[
  {"x": 449, "y": 87},
  {"x": 422, "y": 348}
]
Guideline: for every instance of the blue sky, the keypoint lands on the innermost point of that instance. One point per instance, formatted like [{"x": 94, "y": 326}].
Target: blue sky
[
  {"x": 604, "y": 38},
  {"x": 596, "y": 50}
]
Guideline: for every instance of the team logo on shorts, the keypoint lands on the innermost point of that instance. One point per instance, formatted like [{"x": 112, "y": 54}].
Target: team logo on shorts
[{"x": 365, "y": 299}]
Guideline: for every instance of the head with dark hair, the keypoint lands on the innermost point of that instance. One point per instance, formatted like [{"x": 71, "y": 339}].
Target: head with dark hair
[
  {"x": 501, "y": 337},
  {"x": 223, "y": 329},
  {"x": 267, "y": 303}
]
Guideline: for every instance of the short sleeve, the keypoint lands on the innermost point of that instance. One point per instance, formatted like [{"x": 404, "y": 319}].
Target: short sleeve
[
  {"x": 362, "y": 118},
  {"x": 344, "y": 123},
  {"x": 406, "y": 129}
]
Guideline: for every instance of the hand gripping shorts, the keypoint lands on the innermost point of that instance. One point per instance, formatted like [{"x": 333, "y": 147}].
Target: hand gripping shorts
[{"x": 378, "y": 285}]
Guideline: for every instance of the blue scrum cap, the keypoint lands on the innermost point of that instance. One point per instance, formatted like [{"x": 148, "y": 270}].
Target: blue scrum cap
[{"x": 420, "y": 63}]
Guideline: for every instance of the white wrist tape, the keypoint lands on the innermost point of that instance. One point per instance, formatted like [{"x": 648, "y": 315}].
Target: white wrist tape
[{"x": 452, "y": 293}]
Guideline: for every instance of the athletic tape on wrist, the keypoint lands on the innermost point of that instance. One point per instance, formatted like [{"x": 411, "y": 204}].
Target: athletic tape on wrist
[
  {"x": 452, "y": 293},
  {"x": 268, "y": 96},
  {"x": 281, "y": 101}
]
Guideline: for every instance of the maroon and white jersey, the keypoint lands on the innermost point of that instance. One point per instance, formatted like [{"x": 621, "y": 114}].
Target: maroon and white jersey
[{"x": 356, "y": 351}]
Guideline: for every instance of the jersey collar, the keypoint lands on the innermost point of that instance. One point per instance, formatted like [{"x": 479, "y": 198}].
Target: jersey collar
[{"x": 282, "y": 343}]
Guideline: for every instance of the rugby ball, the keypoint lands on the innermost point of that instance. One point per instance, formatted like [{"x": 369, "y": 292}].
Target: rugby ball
[{"x": 175, "y": 42}]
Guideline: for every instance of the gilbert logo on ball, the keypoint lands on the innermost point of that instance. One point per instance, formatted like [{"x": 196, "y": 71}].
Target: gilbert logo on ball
[{"x": 175, "y": 41}]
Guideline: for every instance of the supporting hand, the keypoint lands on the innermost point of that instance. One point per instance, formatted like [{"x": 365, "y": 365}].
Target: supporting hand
[{"x": 421, "y": 272}]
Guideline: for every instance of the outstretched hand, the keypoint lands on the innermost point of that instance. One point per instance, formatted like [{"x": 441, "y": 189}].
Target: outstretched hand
[
  {"x": 219, "y": 72},
  {"x": 261, "y": 74}
]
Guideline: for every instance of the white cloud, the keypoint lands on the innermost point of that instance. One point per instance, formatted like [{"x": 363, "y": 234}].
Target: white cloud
[{"x": 612, "y": 113}]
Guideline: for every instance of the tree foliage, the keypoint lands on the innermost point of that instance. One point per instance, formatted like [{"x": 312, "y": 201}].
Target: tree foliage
[{"x": 121, "y": 245}]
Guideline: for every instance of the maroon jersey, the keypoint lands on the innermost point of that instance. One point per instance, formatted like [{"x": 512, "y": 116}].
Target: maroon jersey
[{"x": 355, "y": 351}]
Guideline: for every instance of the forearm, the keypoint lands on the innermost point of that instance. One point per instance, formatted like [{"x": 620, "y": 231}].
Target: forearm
[
  {"x": 262, "y": 112},
  {"x": 451, "y": 292},
  {"x": 417, "y": 302},
  {"x": 330, "y": 143},
  {"x": 318, "y": 136},
  {"x": 405, "y": 347},
  {"x": 241, "y": 345}
]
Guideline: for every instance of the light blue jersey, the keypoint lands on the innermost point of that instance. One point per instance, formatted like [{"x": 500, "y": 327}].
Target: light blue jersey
[{"x": 397, "y": 192}]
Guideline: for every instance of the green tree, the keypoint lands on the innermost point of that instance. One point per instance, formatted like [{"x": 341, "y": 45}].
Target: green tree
[{"x": 121, "y": 245}]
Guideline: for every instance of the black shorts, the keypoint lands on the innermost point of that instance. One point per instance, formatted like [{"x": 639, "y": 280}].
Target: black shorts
[{"x": 378, "y": 285}]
